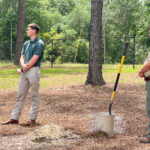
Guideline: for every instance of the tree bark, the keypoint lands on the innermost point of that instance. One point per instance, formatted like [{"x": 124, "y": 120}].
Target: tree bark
[
  {"x": 127, "y": 39},
  {"x": 11, "y": 41},
  {"x": 20, "y": 31},
  {"x": 104, "y": 38},
  {"x": 95, "y": 63}
]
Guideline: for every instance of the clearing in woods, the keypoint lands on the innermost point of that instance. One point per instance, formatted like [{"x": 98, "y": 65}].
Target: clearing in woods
[{"x": 66, "y": 104}]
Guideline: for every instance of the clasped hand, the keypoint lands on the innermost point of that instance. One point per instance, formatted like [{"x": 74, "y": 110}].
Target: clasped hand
[{"x": 141, "y": 74}]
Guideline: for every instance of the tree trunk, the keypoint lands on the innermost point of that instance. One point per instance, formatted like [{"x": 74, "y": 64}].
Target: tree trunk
[
  {"x": 11, "y": 34},
  {"x": 20, "y": 31},
  {"x": 104, "y": 38},
  {"x": 127, "y": 39},
  {"x": 11, "y": 41},
  {"x": 134, "y": 52},
  {"x": 95, "y": 63},
  {"x": 52, "y": 63}
]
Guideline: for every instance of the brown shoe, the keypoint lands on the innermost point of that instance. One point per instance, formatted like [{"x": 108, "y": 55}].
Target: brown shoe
[
  {"x": 12, "y": 121},
  {"x": 31, "y": 122},
  {"x": 147, "y": 140}
]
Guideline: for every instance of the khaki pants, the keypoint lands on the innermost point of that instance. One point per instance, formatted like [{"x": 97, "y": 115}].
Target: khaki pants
[{"x": 29, "y": 79}]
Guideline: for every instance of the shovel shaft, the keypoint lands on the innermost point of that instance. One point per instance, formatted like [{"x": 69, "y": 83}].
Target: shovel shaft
[
  {"x": 117, "y": 79},
  {"x": 118, "y": 76}
]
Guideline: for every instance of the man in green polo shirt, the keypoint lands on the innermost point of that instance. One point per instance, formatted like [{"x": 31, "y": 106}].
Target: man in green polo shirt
[{"x": 31, "y": 56}]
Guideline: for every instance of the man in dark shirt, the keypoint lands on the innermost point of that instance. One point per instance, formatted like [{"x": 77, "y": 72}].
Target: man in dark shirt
[{"x": 31, "y": 56}]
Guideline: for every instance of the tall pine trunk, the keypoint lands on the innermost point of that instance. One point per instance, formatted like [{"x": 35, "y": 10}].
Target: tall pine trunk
[
  {"x": 20, "y": 31},
  {"x": 95, "y": 63},
  {"x": 127, "y": 39}
]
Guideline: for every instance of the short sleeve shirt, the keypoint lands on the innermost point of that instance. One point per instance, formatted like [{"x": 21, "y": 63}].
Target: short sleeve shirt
[{"x": 30, "y": 48}]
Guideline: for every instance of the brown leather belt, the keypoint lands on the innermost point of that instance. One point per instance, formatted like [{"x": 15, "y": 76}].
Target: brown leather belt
[{"x": 146, "y": 78}]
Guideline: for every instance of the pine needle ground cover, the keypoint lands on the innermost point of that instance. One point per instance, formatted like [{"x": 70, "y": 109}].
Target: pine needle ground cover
[{"x": 67, "y": 103}]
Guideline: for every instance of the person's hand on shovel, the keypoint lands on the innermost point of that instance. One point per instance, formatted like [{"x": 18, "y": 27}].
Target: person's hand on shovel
[{"x": 141, "y": 74}]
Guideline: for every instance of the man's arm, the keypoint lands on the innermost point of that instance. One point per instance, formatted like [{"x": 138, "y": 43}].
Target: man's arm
[
  {"x": 22, "y": 61},
  {"x": 146, "y": 67},
  {"x": 31, "y": 63}
]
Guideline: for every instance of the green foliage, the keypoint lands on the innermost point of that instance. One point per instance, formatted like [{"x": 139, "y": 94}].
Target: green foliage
[
  {"x": 8, "y": 17},
  {"x": 65, "y": 6},
  {"x": 64, "y": 50},
  {"x": 122, "y": 18},
  {"x": 63, "y": 19},
  {"x": 58, "y": 19},
  {"x": 141, "y": 56},
  {"x": 79, "y": 18},
  {"x": 83, "y": 52},
  {"x": 51, "y": 47}
]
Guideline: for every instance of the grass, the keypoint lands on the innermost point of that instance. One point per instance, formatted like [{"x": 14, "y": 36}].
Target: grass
[
  {"x": 125, "y": 69},
  {"x": 5, "y": 63},
  {"x": 67, "y": 74},
  {"x": 62, "y": 70}
]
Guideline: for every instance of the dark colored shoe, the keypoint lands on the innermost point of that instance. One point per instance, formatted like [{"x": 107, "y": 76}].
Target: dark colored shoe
[
  {"x": 147, "y": 140},
  {"x": 31, "y": 122},
  {"x": 12, "y": 121}
]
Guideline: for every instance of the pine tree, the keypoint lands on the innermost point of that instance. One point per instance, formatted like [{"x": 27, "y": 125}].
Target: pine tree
[{"x": 95, "y": 63}]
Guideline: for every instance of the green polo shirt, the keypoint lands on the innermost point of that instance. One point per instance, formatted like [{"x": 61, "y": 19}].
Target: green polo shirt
[{"x": 30, "y": 48}]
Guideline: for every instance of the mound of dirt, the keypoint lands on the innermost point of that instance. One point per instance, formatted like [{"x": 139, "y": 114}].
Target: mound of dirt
[
  {"x": 43, "y": 138},
  {"x": 53, "y": 134}
]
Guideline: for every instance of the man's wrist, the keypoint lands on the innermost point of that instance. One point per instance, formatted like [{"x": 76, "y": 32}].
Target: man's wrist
[
  {"x": 28, "y": 65},
  {"x": 21, "y": 70},
  {"x": 141, "y": 71}
]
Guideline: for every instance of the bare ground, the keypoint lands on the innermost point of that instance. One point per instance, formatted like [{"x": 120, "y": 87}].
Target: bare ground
[{"x": 70, "y": 107}]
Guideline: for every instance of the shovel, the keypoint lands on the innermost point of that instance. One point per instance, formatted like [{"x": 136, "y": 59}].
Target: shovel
[{"x": 117, "y": 79}]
